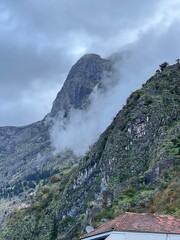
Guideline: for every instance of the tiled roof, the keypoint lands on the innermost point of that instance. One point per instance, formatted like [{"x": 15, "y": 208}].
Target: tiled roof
[{"x": 140, "y": 222}]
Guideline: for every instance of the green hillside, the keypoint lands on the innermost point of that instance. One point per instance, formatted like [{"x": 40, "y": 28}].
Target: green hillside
[{"x": 134, "y": 166}]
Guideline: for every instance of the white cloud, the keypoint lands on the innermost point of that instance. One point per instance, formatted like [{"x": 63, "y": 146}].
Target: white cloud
[
  {"x": 39, "y": 41},
  {"x": 83, "y": 127}
]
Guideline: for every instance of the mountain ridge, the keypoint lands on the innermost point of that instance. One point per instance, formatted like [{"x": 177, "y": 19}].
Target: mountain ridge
[
  {"x": 134, "y": 166},
  {"x": 82, "y": 78},
  {"x": 27, "y": 151}
]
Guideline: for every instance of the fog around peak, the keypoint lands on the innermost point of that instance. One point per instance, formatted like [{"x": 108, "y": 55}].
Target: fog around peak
[
  {"x": 84, "y": 126},
  {"x": 39, "y": 45}
]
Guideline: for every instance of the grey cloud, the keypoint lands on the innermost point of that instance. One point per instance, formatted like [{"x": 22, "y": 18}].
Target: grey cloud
[
  {"x": 24, "y": 63},
  {"x": 156, "y": 45},
  {"x": 39, "y": 42},
  {"x": 72, "y": 15},
  {"x": 26, "y": 69},
  {"x": 139, "y": 62}
]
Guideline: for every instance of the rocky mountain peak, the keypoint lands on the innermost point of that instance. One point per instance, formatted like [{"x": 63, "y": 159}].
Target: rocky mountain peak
[
  {"x": 134, "y": 165},
  {"x": 81, "y": 80}
]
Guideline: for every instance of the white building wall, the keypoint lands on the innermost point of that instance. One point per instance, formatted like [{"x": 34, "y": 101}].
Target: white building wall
[
  {"x": 136, "y": 236},
  {"x": 174, "y": 237},
  {"x": 115, "y": 236},
  {"x": 145, "y": 236},
  {"x": 133, "y": 236},
  {"x": 141, "y": 236}
]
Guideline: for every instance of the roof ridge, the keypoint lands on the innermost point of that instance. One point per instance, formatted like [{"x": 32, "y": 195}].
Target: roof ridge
[{"x": 141, "y": 222}]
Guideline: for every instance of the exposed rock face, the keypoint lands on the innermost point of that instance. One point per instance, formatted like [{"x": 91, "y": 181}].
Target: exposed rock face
[
  {"x": 80, "y": 82},
  {"x": 25, "y": 152},
  {"x": 126, "y": 168},
  {"x": 23, "y": 149},
  {"x": 135, "y": 161}
]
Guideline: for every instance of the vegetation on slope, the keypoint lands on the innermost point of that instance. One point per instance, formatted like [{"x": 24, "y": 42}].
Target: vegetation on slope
[{"x": 134, "y": 166}]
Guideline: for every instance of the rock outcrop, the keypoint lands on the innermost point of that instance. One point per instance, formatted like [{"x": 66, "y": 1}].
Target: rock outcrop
[
  {"x": 23, "y": 149},
  {"x": 81, "y": 80},
  {"x": 134, "y": 166},
  {"x": 26, "y": 154}
]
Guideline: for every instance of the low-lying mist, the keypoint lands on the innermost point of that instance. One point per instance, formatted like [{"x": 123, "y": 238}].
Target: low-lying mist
[{"x": 83, "y": 127}]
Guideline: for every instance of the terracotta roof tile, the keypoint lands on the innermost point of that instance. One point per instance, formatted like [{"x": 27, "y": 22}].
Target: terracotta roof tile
[{"x": 141, "y": 222}]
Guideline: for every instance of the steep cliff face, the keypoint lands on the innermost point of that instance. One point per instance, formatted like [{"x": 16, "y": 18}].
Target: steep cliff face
[
  {"x": 134, "y": 166},
  {"x": 26, "y": 155},
  {"x": 136, "y": 156},
  {"x": 81, "y": 80},
  {"x": 21, "y": 148},
  {"x": 29, "y": 147}
]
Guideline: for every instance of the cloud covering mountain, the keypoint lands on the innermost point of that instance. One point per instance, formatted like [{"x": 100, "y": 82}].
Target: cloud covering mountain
[
  {"x": 83, "y": 126},
  {"x": 39, "y": 41}
]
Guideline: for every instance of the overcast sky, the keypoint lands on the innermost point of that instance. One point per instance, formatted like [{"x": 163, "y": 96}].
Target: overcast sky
[{"x": 40, "y": 40}]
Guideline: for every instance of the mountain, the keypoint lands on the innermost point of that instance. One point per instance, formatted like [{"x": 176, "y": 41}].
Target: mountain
[
  {"x": 26, "y": 153},
  {"x": 134, "y": 166},
  {"x": 81, "y": 80}
]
